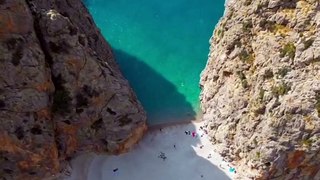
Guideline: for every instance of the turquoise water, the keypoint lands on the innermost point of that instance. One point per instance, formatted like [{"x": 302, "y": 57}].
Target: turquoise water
[{"x": 161, "y": 47}]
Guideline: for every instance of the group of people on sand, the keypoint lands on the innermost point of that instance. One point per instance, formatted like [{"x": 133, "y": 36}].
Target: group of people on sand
[{"x": 163, "y": 156}]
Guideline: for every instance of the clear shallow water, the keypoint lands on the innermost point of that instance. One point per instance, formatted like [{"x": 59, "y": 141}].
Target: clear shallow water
[{"x": 161, "y": 47}]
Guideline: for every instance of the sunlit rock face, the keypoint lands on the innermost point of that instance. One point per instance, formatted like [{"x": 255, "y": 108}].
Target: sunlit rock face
[
  {"x": 61, "y": 92},
  {"x": 261, "y": 88}
]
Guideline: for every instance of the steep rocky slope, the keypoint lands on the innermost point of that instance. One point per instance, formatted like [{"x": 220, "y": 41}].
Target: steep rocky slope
[
  {"x": 61, "y": 91},
  {"x": 261, "y": 88}
]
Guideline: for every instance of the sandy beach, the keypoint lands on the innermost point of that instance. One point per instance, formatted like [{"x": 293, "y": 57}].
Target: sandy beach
[{"x": 178, "y": 152}]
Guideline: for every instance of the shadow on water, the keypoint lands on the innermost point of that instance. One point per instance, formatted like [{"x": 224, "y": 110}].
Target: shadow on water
[{"x": 159, "y": 97}]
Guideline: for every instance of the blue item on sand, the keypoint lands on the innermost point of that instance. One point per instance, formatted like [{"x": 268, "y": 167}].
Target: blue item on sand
[{"x": 232, "y": 170}]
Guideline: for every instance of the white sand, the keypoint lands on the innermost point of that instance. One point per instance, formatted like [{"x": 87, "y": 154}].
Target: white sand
[{"x": 185, "y": 162}]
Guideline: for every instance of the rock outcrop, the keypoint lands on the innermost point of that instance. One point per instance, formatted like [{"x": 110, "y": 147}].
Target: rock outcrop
[
  {"x": 61, "y": 92},
  {"x": 261, "y": 88}
]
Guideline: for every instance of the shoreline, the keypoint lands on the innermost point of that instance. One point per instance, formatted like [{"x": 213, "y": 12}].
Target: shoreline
[
  {"x": 183, "y": 121},
  {"x": 158, "y": 156}
]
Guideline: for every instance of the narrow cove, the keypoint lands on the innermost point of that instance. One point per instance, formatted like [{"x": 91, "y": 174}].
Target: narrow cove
[{"x": 161, "y": 49}]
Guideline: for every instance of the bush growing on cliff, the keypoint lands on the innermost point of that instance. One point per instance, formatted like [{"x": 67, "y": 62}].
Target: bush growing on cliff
[
  {"x": 308, "y": 43},
  {"x": 247, "y": 25},
  {"x": 268, "y": 74},
  {"x": 267, "y": 25},
  {"x": 280, "y": 90},
  {"x": 288, "y": 50},
  {"x": 220, "y": 33},
  {"x": 246, "y": 57},
  {"x": 247, "y": 2},
  {"x": 283, "y": 72},
  {"x": 318, "y": 103},
  {"x": 261, "y": 94},
  {"x": 243, "y": 79},
  {"x": 307, "y": 142}
]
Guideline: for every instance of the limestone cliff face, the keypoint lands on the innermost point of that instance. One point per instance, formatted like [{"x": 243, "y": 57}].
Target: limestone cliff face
[
  {"x": 261, "y": 88},
  {"x": 61, "y": 91}
]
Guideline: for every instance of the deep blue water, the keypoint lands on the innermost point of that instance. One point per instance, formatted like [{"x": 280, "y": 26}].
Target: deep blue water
[{"x": 161, "y": 47}]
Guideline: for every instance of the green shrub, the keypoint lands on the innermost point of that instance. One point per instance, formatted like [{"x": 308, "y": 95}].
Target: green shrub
[
  {"x": 261, "y": 94},
  {"x": 247, "y": 25},
  {"x": 247, "y": 2},
  {"x": 244, "y": 84},
  {"x": 246, "y": 57},
  {"x": 243, "y": 79},
  {"x": 260, "y": 110},
  {"x": 280, "y": 90},
  {"x": 260, "y": 6},
  {"x": 307, "y": 142},
  {"x": 288, "y": 50},
  {"x": 308, "y": 43},
  {"x": 241, "y": 75},
  {"x": 283, "y": 71},
  {"x": 268, "y": 25},
  {"x": 220, "y": 33},
  {"x": 318, "y": 103},
  {"x": 258, "y": 155},
  {"x": 268, "y": 74}
]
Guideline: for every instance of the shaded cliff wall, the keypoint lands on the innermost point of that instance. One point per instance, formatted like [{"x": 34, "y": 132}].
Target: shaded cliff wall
[
  {"x": 61, "y": 91},
  {"x": 261, "y": 88}
]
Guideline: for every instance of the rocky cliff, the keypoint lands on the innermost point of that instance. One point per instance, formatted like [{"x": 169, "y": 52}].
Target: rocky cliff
[
  {"x": 261, "y": 88},
  {"x": 61, "y": 92}
]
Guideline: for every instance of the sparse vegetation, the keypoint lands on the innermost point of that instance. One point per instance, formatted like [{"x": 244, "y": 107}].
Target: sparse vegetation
[
  {"x": 247, "y": 2},
  {"x": 288, "y": 50},
  {"x": 268, "y": 25},
  {"x": 241, "y": 75},
  {"x": 318, "y": 103},
  {"x": 280, "y": 90},
  {"x": 258, "y": 155},
  {"x": 260, "y": 6},
  {"x": 244, "y": 84},
  {"x": 247, "y": 25},
  {"x": 307, "y": 142},
  {"x": 220, "y": 33},
  {"x": 243, "y": 79},
  {"x": 308, "y": 43},
  {"x": 268, "y": 74},
  {"x": 246, "y": 57},
  {"x": 261, "y": 94},
  {"x": 283, "y": 71},
  {"x": 260, "y": 110}
]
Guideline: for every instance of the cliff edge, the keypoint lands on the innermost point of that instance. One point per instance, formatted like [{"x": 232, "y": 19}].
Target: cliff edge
[
  {"x": 61, "y": 92},
  {"x": 261, "y": 88}
]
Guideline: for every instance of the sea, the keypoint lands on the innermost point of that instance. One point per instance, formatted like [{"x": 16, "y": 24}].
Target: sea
[{"x": 161, "y": 47}]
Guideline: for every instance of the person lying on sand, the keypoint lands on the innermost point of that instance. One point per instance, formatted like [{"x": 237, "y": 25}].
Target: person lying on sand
[
  {"x": 162, "y": 156},
  {"x": 209, "y": 156}
]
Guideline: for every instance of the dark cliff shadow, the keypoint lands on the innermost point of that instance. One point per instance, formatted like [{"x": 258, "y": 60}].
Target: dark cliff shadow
[{"x": 159, "y": 97}]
